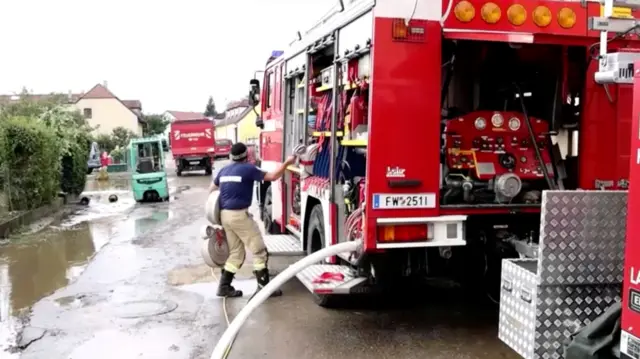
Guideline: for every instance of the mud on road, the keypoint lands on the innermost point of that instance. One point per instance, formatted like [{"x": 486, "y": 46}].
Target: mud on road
[{"x": 128, "y": 282}]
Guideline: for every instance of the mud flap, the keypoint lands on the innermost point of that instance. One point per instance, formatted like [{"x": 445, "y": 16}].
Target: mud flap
[{"x": 598, "y": 339}]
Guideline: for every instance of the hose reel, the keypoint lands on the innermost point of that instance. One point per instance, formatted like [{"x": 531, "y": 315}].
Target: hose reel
[{"x": 214, "y": 248}]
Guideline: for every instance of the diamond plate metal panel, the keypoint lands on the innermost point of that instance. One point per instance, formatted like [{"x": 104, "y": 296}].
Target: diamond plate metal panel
[
  {"x": 283, "y": 244},
  {"x": 517, "y": 317},
  {"x": 537, "y": 329},
  {"x": 582, "y": 237},
  {"x": 313, "y": 272},
  {"x": 562, "y": 310}
]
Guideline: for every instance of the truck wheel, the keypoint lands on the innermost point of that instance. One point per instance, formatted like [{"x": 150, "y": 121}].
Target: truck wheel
[
  {"x": 315, "y": 242},
  {"x": 267, "y": 214}
]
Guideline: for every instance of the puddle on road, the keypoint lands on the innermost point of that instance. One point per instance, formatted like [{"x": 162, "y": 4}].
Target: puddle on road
[
  {"x": 111, "y": 184},
  {"x": 37, "y": 263},
  {"x": 144, "y": 222}
]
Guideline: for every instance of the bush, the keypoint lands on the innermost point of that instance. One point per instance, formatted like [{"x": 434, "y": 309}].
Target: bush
[
  {"x": 105, "y": 142},
  {"x": 118, "y": 155},
  {"x": 65, "y": 162},
  {"x": 74, "y": 166},
  {"x": 29, "y": 163},
  {"x": 121, "y": 137}
]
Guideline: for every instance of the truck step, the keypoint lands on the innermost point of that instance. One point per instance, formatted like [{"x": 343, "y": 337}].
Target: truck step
[
  {"x": 330, "y": 279},
  {"x": 283, "y": 245}
]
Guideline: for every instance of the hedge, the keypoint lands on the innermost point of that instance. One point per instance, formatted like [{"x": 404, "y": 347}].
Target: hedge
[
  {"x": 74, "y": 166},
  {"x": 29, "y": 163}
]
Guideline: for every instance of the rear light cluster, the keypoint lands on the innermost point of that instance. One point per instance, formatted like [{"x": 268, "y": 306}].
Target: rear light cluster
[
  {"x": 405, "y": 232},
  {"x": 412, "y": 31},
  {"x": 517, "y": 14}
]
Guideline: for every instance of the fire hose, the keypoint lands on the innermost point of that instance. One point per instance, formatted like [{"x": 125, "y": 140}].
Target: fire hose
[{"x": 223, "y": 347}]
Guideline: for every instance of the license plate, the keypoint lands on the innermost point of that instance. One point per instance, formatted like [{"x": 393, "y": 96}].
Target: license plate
[
  {"x": 402, "y": 201},
  {"x": 194, "y": 162}
]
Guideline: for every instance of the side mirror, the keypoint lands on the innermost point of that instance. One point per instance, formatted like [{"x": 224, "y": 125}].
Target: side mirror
[{"x": 254, "y": 92}]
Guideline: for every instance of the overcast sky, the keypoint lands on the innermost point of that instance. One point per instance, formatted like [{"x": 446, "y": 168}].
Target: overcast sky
[{"x": 171, "y": 55}]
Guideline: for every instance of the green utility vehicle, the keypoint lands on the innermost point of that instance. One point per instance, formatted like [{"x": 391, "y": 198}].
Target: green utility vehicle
[{"x": 148, "y": 174}]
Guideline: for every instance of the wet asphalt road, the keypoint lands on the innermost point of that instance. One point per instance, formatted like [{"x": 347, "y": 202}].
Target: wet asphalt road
[{"x": 128, "y": 282}]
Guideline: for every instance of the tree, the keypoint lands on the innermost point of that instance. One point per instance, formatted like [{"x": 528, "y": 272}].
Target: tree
[
  {"x": 156, "y": 125},
  {"x": 210, "y": 111},
  {"x": 121, "y": 136},
  {"x": 105, "y": 142}
]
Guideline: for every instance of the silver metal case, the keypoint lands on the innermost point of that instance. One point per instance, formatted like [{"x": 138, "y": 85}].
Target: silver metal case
[{"x": 577, "y": 276}]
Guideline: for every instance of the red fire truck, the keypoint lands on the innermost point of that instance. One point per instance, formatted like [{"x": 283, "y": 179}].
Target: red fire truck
[{"x": 439, "y": 131}]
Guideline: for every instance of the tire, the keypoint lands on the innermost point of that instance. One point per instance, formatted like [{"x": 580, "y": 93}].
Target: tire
[
  {"x": 315, "y": 242},
  {"x": 89, "y": 171},
  {"x": 208, "y": 171},
  {"x": 267, "y": 214}
]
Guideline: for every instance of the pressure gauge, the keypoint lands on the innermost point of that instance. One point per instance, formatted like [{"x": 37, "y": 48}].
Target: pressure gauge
[
  {"x": 480, "y": 123},
  {"x": 514, "y": 124},
  {"x": 497, "y": 120}
]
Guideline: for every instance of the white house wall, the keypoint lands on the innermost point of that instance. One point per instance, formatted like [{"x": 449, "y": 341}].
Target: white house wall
[{"x": 108, "y": 114}]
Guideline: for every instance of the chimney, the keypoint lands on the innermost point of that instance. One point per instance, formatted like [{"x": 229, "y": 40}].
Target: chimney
[
  {"x": 70, "y": 96},
  {"x": 104, "y": 83}
]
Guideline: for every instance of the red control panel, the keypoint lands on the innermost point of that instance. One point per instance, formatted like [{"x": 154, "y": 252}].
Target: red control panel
[{"x": 493, "y": 143}]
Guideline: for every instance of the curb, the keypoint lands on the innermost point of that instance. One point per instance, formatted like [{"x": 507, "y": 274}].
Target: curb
[{"x": 28, "y": 217}]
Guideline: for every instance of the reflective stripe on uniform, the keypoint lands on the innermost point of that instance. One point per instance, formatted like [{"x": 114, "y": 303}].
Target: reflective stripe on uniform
[{"x": 236, "y": 179}]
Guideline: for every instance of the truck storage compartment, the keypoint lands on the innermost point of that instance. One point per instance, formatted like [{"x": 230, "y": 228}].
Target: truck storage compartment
[{"x": 576, "y": 277}]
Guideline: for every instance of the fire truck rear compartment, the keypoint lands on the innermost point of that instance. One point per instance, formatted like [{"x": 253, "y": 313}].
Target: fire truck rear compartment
[
  {"x": 494, "y": 166},
  {"x": 490, "y": 157}
]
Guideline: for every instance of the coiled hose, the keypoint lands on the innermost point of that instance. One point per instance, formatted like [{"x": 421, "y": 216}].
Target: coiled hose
[{"x": 221, "y": 349}]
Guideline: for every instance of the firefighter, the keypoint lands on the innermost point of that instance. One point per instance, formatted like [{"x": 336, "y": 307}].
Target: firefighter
[{"x": 236, "y": 182}]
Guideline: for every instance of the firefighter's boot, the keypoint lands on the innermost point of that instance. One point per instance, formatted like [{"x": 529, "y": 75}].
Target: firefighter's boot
[
  {"x": 263, "y": 279},
  {"x": 225, "y": 289}
]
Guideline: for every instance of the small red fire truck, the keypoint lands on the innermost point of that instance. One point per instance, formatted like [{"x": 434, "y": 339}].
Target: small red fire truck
[{"x": 450, "y": 135}]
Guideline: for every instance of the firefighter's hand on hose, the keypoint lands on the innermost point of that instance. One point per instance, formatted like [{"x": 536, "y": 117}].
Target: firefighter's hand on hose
[{"x": 290, "y": 160}]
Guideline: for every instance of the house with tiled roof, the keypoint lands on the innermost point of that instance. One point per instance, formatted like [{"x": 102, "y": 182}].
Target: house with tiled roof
[
  {"x": 101, "y": 108},
  {"x": 105, "y": 111},
  {"x": 239, "y": 123}
]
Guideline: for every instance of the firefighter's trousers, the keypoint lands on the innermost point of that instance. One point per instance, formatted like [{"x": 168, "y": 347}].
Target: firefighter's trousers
[{"x": 241, "y": 231}]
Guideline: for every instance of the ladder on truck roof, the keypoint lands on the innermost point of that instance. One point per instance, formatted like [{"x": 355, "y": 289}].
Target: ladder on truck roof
[
  {"x": 319, "y": 279},
  {"x": 616, "y": 67}
]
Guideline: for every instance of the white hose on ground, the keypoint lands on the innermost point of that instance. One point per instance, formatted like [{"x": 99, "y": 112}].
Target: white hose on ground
[{"x": 275, "y": 283}]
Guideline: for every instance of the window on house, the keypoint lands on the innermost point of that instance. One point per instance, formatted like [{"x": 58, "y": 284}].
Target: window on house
[{"x": 87, "y": 113}]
